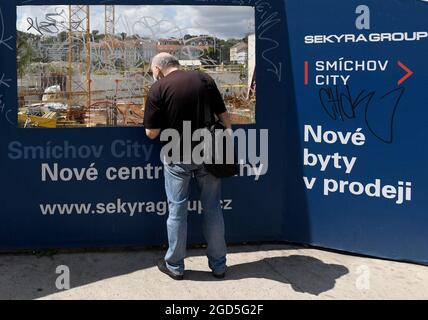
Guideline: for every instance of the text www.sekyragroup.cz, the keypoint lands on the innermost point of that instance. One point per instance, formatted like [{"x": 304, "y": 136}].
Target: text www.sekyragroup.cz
[{"x": 120, "y": 207}]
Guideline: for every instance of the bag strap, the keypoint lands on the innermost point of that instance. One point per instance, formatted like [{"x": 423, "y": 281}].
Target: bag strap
[
  {"x": 207, "y": 120},
  {"x": 207, "y": 112}
]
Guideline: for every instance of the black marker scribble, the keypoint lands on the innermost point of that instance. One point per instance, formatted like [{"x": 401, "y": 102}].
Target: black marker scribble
[
  {"x": 341, "y": 105},
  {"x": 53, "y": 23}
]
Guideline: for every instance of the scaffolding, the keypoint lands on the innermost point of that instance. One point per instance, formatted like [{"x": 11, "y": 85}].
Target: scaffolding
[
  {"x": 79, "y": 58},
  {"x": 109, "y": 23}
]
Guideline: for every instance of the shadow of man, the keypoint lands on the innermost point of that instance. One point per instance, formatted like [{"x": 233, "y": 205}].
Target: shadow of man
[{"x": 304, "y": 274}]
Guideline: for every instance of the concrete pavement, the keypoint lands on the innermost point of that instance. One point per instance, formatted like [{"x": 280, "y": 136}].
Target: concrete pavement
[{"x": 255, "y": 272}]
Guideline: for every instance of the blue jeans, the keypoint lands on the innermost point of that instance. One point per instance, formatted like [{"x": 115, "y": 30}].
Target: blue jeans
[{"x": 177, "y": 183}]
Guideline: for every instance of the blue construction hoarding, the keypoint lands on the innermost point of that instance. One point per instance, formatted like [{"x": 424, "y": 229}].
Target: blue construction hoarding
[{"x": 341, "y": 87}]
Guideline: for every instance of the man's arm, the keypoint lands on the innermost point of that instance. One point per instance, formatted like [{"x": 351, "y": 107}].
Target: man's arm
[
  {"x": 153, "y": 115},
  {"x": 225, "y": 119},
  {"x": 219, "y": 106}
]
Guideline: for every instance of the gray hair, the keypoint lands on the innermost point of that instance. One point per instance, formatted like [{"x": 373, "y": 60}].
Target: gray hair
[{"x": 165, "y": 60}]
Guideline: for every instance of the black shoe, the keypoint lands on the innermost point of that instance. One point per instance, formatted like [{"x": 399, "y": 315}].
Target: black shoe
[
  {"x": 163, "y": 268},
  {"x": 219, "y": 275}
]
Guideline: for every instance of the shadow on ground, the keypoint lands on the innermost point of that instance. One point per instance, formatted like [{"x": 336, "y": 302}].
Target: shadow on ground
[
  {"x": 304, "y": 274},
  {"x": 29, "y": 277}
]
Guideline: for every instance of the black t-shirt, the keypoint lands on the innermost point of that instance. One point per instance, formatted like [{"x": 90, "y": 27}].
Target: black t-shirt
[{"x": 177, "y": 97}]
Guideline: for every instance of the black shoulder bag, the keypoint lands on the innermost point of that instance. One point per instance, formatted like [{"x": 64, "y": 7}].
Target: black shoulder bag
[{"x": 216, "y": 127}]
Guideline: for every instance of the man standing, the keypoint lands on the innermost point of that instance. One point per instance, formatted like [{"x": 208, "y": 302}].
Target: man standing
[{"x": 172, "y": 100}]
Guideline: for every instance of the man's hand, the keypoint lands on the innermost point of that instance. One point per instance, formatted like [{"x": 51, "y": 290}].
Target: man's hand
[
  {"x": 225, "y": 119},
  {"x": 153, "y": 133}
]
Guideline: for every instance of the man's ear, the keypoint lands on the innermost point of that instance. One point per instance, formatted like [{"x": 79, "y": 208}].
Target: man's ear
[{"x": 161, "y": 75}]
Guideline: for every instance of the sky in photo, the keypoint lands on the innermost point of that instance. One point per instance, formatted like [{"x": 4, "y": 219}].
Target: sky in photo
[{"x": 158, "y": 21}]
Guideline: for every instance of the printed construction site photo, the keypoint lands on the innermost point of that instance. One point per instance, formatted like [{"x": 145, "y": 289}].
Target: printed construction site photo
[{"x": 89, "y": 66}]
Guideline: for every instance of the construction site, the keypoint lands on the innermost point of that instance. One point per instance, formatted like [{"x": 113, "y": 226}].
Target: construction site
[{"x": 70, "y": 76}]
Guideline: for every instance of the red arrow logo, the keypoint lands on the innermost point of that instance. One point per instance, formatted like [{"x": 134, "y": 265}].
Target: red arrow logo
[{"x": 408, "y": 74}]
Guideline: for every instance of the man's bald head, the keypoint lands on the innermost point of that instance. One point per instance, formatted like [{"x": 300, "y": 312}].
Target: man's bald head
[{"x": 164, "y": 61}]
